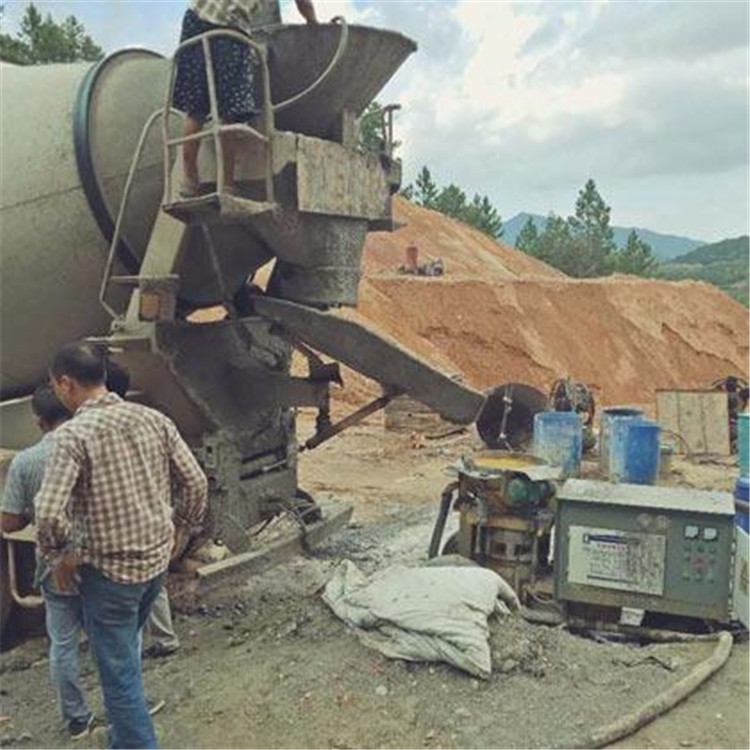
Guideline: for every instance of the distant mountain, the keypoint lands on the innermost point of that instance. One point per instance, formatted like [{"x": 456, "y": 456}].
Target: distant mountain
[
  {"x": 725, "y": 264},
  {"x": 665, "y": 246}
]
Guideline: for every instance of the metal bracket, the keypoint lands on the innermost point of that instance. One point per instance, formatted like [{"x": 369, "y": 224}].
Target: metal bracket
[{"x": 327, "y": 431}]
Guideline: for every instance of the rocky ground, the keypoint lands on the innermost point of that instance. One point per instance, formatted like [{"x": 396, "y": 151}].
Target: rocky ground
[{"x": 266, "y": 664}]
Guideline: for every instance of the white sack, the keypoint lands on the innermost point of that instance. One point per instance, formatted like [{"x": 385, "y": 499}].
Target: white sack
[{"x": 422, "y": 614}]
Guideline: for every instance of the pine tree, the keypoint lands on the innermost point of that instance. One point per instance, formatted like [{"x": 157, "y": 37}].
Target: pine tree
[
  {"x": 555, "y": 244},
  {"x": 528, "y": 237},
  {"x": 41, "y": 40},
  {"x": 451, "y": 201},
  {"x": 592, "y": 253},
  {"x": 636, "y": 258},
  {"x": 480, "y": 213},
  {"x": 425, "y": 189}
]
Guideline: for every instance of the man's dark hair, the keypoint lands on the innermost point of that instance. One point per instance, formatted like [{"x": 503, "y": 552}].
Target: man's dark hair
[
  {"x": 118, "y": 379},
  {"x": 85, "y": 363},
  {"x": 47, "y": 406}
]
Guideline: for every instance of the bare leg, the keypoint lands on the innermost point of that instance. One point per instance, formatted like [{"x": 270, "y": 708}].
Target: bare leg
[{"x": 190, "y": 151}]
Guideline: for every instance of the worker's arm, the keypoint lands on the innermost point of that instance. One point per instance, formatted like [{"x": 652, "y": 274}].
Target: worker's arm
[
  {"x": 191, "y": 499},
  {"x": 17, "y": 505},
  {"x": 307, "y": 9},
  {"x": 51, "y": 503}
]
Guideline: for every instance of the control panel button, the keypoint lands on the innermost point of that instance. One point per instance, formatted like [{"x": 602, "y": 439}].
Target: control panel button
[
  {"x": 710, "y": 534},
  {"x": 691, "y": 531}
]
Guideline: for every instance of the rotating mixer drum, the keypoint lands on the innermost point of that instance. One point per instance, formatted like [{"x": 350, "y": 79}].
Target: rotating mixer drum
[
  {"x": 68, "y": 137},
  {"x": 54, "y": 214}
]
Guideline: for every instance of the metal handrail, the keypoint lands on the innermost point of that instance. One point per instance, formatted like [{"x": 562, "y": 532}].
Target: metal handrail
[
  {"x": 217, "y": 127},
  {"x": 29, "y": 601},
  {"x": 123, "y": 204}
]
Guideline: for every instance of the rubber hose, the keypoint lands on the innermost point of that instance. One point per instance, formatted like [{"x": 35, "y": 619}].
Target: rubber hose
[{"x": 665, "y": 701}]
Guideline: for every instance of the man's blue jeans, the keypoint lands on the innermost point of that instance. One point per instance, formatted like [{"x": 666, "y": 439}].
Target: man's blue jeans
[
  {"x": 64, "y": 625},
  {"x": 113, "y": 615}
]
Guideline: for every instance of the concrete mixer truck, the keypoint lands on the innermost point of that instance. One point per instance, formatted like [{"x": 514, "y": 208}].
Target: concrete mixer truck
[{"x": 97, "y": 243}]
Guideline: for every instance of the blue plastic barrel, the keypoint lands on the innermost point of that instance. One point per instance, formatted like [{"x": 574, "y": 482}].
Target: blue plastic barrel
[
  {"x": 743, "y": 443},
  {"x": 605, "y": 420},
  {"x": 741, "y": 499},
  {"x": 641, "y": 452},
  {"x": 558, "y": 439}
]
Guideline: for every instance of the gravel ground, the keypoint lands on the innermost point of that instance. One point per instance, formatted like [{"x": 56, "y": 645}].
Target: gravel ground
[{"x": 266, "y": 664}]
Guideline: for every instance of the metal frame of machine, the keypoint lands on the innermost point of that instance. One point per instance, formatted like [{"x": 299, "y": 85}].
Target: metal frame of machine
[
  {"x": 506, "y": 507},
  {"x": 237, "y": 406}
]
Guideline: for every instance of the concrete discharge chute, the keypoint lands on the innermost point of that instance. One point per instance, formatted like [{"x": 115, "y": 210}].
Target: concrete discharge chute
[{"x": 309, "y": 196}]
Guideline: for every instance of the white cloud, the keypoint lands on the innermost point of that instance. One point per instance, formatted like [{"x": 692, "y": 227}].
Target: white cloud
[
  {"x": 524, "y": 101},
  {"x": 534, "y": 98}
]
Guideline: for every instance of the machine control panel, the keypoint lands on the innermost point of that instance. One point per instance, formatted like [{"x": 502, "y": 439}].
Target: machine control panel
[
  {"x": 660, "y": 549},
  {"x": 700, "y": 551}
]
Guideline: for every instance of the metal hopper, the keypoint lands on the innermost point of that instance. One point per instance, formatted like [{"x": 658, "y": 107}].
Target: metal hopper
[{"x": 299, "y": 54}]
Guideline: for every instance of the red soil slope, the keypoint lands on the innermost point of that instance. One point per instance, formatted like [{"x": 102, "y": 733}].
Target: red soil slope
[{"x": 498, "y": 316}]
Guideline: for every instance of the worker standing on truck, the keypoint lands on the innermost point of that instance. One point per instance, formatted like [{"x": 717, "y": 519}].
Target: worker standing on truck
[
  {"x": 105, "y": 523},
  {"x": 234, "y": 72}
]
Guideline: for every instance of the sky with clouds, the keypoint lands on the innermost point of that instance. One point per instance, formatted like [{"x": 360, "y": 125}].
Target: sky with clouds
[{"x": 524, "y": 101}]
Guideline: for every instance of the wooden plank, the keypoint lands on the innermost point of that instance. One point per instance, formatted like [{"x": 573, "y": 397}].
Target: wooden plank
[{"x": 701, "y": 418}]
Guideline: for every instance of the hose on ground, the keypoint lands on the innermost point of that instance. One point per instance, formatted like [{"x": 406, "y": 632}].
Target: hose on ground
[{"x": 632, "y": 722}]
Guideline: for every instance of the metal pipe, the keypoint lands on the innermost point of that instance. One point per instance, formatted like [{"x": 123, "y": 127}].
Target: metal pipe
[
  {"x": 446, "y": 501},
  {"x": 28, "y": 602}
]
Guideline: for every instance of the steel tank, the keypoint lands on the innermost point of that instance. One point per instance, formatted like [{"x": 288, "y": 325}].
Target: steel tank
[{"x": 68, "y": 134}]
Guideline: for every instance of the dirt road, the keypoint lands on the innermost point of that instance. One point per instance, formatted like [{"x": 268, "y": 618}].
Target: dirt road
[{"x": 266, "y": 664}]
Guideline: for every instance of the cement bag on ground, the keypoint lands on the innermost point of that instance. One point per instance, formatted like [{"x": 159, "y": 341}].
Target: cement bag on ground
[{"x": 422, "y": 614}]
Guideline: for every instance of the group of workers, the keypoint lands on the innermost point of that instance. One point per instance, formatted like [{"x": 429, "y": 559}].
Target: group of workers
[{"x": 116, "y": 495}]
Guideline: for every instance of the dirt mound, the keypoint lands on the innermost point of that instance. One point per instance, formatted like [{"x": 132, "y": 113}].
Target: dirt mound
[
  {"x": 465, "y": 251},
  {"x": 498, "y": 316}
]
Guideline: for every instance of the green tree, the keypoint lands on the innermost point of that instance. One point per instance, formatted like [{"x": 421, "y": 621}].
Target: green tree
[
  {"x": 555, "y": 244},
  {"x": 425, "y": 189},
  {"x": 528, "y": 237},
  {"x": 371, "y": 134},
  {"x": 592, "y": 253},
  {"x": 480, "y": 213},
  {"x": 451, "y": 201},
  {"x": 42, "y": 40},
  {"x": 636, "y": 257},
  {"x": 407, "y": 192}
]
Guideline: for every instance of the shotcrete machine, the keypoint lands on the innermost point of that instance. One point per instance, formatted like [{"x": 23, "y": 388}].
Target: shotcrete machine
[{"x": 97, "y": 243}]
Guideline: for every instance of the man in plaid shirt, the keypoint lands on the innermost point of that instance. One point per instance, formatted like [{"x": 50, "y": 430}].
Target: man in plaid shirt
[{"x": 108, "y": 520}]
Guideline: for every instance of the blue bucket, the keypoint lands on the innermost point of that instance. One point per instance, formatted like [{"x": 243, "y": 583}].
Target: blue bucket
[
  {"x": 605, "y": 421},
  {"x": 615, "y": 444},
  {"x": 741, "y": 499},
  {"x": 639, "y": 441},
  {"x": 743, "y": 443},
  {"x": 558, "y": 439}
]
